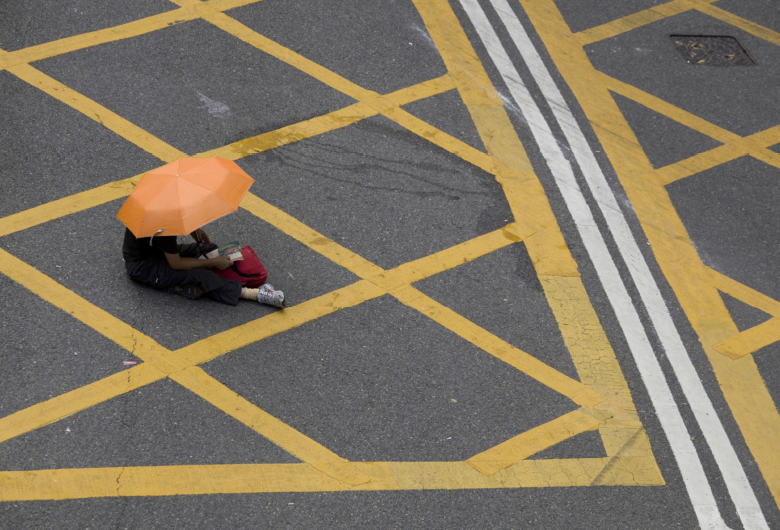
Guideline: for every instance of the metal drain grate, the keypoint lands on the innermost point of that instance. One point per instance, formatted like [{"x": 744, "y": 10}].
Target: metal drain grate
[{"x": 712, "y": 50}]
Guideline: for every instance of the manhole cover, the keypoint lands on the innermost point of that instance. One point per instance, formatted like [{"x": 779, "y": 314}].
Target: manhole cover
[{"x": 712, "y": 50}]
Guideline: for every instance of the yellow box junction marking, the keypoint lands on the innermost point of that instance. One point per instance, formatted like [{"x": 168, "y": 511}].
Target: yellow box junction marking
[
  {"x": 695, "y": 285},
  {"x": 603, "y": 395}
]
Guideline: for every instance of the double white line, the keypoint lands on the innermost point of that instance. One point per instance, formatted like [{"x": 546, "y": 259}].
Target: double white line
[{"x": 688, "y": 461}]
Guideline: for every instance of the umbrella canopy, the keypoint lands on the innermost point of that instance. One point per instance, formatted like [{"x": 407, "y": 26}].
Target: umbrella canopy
[{"x": 184, "y": 195}]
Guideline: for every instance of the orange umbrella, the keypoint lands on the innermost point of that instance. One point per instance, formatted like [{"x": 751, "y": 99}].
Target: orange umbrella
[{"x": 184, "y": 195}]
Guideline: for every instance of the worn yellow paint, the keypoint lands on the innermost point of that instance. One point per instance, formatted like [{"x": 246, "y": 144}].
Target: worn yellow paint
[
  {"x": 750, "y": 340},
  {"x": 513, "y": 169},
  {"x": 739, "y": 379},
  {"x": 532, "y": 441},
  {"x": 621, "y": 430},
  {"x": 633, "y": 21}
]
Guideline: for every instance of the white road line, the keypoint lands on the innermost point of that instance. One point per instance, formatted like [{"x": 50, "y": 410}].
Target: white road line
[{"x": 695, "y": 480}]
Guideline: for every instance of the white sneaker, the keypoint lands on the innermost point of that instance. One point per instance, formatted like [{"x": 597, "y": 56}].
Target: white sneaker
[{"x": 269, "y": 296}]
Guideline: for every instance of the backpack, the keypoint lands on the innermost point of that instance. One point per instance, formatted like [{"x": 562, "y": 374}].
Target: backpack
[{"x": 249, "y": 271}]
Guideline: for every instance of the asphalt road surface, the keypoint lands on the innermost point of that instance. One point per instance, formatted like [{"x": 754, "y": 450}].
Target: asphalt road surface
[{"x": 529, "y": 250}]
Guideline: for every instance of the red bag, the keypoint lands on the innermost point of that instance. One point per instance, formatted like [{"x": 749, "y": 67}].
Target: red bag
[{"x": 249, "y": 271}]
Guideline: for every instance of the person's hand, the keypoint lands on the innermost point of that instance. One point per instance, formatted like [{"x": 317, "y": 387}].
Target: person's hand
[
  {"x": 201, "y": 235},
  {"x": 222, "y": 262}
]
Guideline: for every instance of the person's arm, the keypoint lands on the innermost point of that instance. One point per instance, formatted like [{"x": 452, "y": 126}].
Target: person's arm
[
  {"x": 179, "y": 263},
  {"x": 201, "y": 235}
]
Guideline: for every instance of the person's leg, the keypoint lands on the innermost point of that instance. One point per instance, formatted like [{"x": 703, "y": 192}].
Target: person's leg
[{"x": 160, "y": 275}]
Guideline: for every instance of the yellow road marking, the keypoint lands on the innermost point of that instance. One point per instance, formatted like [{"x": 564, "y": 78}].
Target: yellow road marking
[
  {"x": 248, "y": 35},
  {"x": 750, "y": 340},
  {"x": 442, "y": 139},
  {"x": 292, "y": 441},
  {"x": 328, "y": 122},
  {"x": 529, "y": 365},
  {"x": 66, "y": 206},
  {"x": 103, "y": 36},
  {"x": 69, "y": 403},
  {"x": 216, "y": 345},
  {"x": 633, "y": 21},
  {"x": 97, "y": 112},
  {"x": 419, "y": 269},
  {"x": 165, "y": 362},
  {"x": 743, "y": 24},
  {"x": 739, "y": 379},
  {"x": 743, "y": 292},
  {"x": 396, "y": 283},
  {"x": 531, "y": 442},
  {"x": 662, "y": 107},
  {"x": 266, "y": 478},
  {"x": 286, "y": 135}
]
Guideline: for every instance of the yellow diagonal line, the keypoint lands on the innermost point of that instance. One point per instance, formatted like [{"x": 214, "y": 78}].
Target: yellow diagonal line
[
  {"x": 743, "y": 293},
  {"x": 289, "y": 439},
  {"x": 70, "y": 403},
  {"x": 742, "y": 23},
  {"x": 329, "y": 122},
  {"x": 72, "y": 204},
  {"x": 533, "y": 441},
  {"x": 395, "y": 282},
  {"x": 115, "y": 33},
  {"x": 500, "y": 349},
  {"x": 457, "y": 147},
  {"x": 97, "y": 112},
  {"x": 65, "y": 299},
  {"x": 633, "y": 21},
  {"x": 248, "y": 35},
  {"x": 750, "y": 340},
  {"x": 419, "y": 269},
  {"x": 212, "y": 347},
  {"x": 754, "y": 145},
  {"x": 662, "y": 107},
  {"x": 103, "y": 36},
  {"x": 733, "y": 146},
  {"x": 286, "y": 135},
  {"x": 310, "y": 237}
]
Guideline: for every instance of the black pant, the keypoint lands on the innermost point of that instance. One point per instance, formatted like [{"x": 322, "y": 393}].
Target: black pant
[{"x": 157, "y": 273}]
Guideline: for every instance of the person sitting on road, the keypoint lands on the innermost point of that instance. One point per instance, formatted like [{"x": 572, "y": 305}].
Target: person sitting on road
[{"x": 162, "y": 263}]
